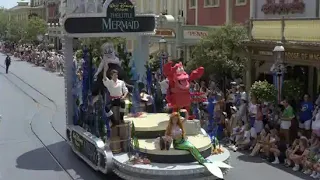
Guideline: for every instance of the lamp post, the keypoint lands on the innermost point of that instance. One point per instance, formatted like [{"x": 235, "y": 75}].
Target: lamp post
[
  {"x": 163, "y": 55},
  {"x": 278, "y": 68}
]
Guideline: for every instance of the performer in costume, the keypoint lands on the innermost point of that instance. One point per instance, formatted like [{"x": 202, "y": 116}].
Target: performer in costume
[
  {"x": 109, "y": 62},
  {"x": 175, "y": 132},
  {"x": 118, "y": 92},
  {"x": 178, "y": 95}
]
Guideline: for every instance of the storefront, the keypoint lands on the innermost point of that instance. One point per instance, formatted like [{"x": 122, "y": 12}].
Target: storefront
[
  {"x": 55, "y": 35},
  {"x": 180, "y": 38},
  {"x": 302, "y": 50}
]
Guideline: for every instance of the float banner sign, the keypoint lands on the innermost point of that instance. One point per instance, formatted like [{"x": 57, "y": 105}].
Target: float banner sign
[
  {"x": 120, "y": 18},
  {"x": 85, "y": 147}
]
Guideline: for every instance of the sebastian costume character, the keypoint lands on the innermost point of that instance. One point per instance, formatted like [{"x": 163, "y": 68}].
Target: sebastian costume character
[{"x": 178, "y": 95}]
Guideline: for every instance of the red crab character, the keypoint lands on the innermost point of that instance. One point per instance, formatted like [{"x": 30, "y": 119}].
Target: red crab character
[{"x": 178, "y": 95}]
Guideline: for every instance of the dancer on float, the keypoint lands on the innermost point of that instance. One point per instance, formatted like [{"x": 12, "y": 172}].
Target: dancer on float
[
  {"x": 118, "y": 92},
  {"x": 175, "y": 133}
]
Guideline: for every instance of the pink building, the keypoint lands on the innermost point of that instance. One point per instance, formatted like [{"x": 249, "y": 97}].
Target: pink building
[{"x": 217, "y": 12}]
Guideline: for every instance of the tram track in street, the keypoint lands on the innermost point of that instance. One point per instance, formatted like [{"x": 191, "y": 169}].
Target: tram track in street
[
  {"x": 55, "y": 109},
  {"x": 38, "y": 104}
]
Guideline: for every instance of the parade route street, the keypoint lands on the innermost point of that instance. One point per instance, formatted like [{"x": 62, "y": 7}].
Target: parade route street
[{"x": 24, "y": 157}]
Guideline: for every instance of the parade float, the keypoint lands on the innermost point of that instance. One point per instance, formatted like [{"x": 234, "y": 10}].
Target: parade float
[{"x": 138, "y": 145}]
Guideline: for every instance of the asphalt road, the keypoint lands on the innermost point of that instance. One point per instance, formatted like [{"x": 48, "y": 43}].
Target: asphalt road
[{"x": 22, "y": 156}]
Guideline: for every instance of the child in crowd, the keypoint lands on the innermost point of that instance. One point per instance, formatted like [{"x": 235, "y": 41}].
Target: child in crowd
[
  {"x": 232, "y": 122},
  {"x": 245, "y": 140},
  {"x": 279, "y": 150},
  {"x": 262, "y": 139},
  {"x": 289, "y": 151},
  {"x": 273, "y": 141},
  {"x": 313, "y": 155},
  {"x": 316, "y": 168},
  {"x": 299, "y": 153},
  {"x": 237, "y": 133}
]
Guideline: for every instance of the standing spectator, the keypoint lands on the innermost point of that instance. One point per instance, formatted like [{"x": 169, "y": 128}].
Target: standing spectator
[
  {"x": 316, "y": 121},
  {"x": 164, "y": 85},
  {"x": 7, "y": 63},
  {"x": 285, "y": 119},
  {"x": 258, "y": 123},
  {"x": 253, "y": 109},
  {"x": 231, "y": 100},
  {"x": 241, "y": 114},
  {"x": 305, "y": 115}
]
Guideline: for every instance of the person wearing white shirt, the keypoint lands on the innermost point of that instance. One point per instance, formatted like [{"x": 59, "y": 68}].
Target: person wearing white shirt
[
  {"x": 164, "y": 85},
  {"x": 118, "y": 92}
]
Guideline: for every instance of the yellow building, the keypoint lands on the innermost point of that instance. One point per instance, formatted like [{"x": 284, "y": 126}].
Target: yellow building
[
  {"x": 300, "y": 38},
  {"x": 23, "y": 11}
]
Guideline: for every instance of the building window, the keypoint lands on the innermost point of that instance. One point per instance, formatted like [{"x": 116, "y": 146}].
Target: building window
[
  {"x": 211, "y": 3},
  {"x": 192, "y": 4},
  {"x": 241, "y": 2}
]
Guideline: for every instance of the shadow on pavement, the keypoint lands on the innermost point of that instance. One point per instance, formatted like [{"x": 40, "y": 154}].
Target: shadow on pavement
[
  {"x": 39, "y": 159},
  {"x": 246, "y": 158}
]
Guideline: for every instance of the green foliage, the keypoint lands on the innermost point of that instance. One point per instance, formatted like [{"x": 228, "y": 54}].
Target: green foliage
[
  {"x": 134, "y": 138},
  {"x": 16, "y": 31},
  {"x": 35, "y": 26},
  {"x": 221, "y": 52},
  {"x": 293, "y": 89},
  {"x": 4, "y": 21},
  {"x": 125, "y": 58},
  {"x": 264, "y": 91},
  {"x": 154, "y": 63}
]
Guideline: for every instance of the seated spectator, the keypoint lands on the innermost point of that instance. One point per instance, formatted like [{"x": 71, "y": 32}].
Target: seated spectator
[
  {"x": 262, "y": 139},
  {"x": 237, "y": 133},
  {"x": 316, "y": 168},
  {"x": 299, "y": 153},
  {"x": 313, "y": 155},
  {"x": 245, "y": 140},
  {"x": 273, "y": 141},
  {"x": 254, "y": 137},
  {"x": 279, "y": 150},
  {"x": 289, "y": 152}
]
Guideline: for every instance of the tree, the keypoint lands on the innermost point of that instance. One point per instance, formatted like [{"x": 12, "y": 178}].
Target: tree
[
  {"x": 264, "y": 91},
  {"x": 221, "y": 52},
  {"x": 35, "y": 26},
  {"x": 16, "y": 31},
  {"x": 3, "y": 22}
]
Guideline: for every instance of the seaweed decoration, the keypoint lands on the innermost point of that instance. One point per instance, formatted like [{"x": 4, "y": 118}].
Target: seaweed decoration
[
  {"x": 75, "y": 95},
  {"x": 135, "y": 141}
]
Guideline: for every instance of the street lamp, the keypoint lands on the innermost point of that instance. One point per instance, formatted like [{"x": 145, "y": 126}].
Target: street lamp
[
  {"x": 278, "y": 68},
  {"x": 163, "y": 55}
]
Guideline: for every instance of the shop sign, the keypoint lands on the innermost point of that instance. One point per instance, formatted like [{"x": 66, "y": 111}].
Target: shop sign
[
  {"x": 165, "y": 33},
  {"x": 194, "y": 34},
  {"x": 294, "y": 55},
  {"x": 85, "y": 147},
  {"x": 120, "y": 18}
]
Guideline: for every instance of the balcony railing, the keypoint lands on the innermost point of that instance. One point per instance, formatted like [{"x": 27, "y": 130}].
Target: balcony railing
[{"x": 306, "y": 30}]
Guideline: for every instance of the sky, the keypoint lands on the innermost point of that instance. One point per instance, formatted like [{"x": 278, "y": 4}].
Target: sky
[{"x": 9, "y": 3}]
